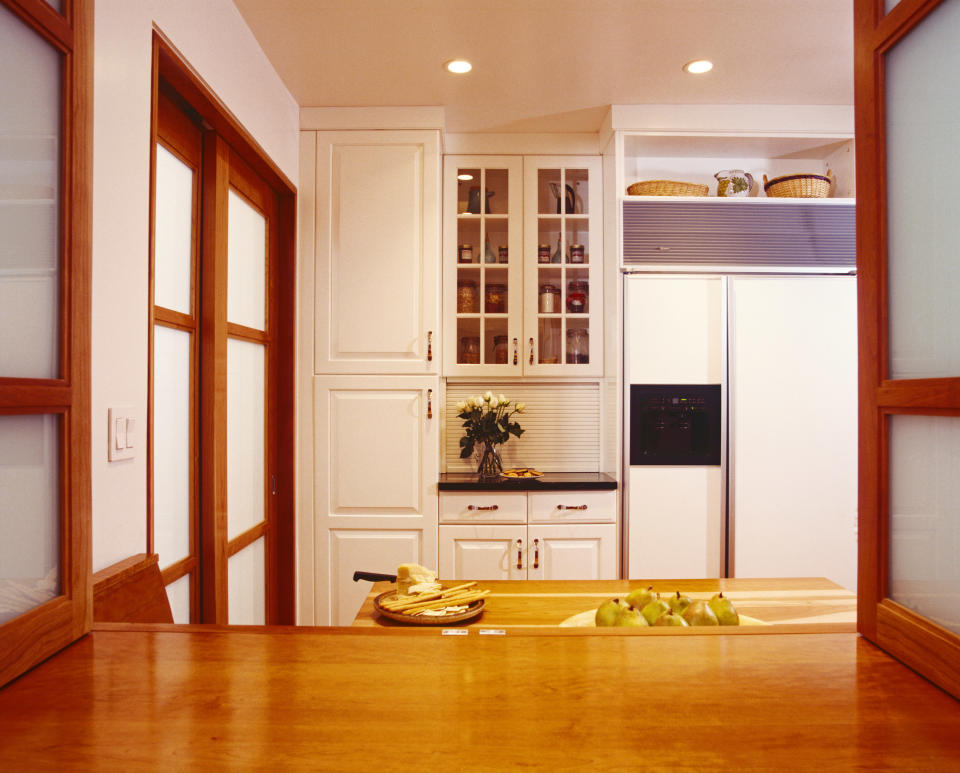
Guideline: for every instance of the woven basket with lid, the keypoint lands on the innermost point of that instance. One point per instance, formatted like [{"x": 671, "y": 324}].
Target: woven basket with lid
[
  {"x": 799, "y": 186},
  {"x": 667, "y": 188}
]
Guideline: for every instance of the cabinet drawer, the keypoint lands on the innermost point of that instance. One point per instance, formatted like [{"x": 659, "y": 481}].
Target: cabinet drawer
[
  {"x": 573, "y": 507},
  {"x": 483, "y": 507}
]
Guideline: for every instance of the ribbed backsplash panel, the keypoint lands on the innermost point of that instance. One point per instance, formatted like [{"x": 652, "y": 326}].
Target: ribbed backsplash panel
[
  {"x": 561, "y": 426},
  {"x": 739, "y": 233}
]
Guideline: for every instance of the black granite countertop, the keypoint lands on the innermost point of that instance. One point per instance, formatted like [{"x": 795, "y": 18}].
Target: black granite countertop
[{"x": 551, "y": 481}]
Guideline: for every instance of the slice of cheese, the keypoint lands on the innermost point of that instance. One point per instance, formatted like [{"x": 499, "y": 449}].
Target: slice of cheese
[{"x": 413, "y": 574}]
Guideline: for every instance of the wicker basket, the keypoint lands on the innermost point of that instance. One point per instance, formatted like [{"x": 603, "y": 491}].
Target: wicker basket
[
  {"x": 799, "y": 186},
  {"x": 667, "y": 188}
]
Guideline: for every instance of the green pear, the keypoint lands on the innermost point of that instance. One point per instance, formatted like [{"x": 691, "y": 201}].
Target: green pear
[
  {"x": 724, "y": 610},
  {"x": 608, "y": 612},
  {"x": 654, "y": 609},
  {"x": 630, "y": 617},
  {"x": 679, "y": 603},
  {"x": 671, "y": 618},
  {"x": 699, "y": 613},
  {"x": 640, "y": 597}
]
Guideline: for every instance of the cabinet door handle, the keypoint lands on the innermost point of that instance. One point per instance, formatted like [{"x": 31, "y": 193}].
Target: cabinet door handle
[
  {"x": 515, "y": 348},
  {"x": 571, "y": 507},
  {"x": 519, "y": 554},
  {"x": 483, "y": 507},
  {"x": 531, "y": 351},
  {"x": 536, "y": 554},
  {"x": 429, "y": 403},
  {"x": 429, "y": 346}
]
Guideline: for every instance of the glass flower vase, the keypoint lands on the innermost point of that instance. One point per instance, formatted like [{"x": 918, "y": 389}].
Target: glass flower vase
[{"x": 490, "y": 465}]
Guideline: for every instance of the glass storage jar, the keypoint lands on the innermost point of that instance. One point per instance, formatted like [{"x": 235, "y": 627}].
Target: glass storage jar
[
  {"x": 578, "y": 290},
  {"x": 578, "y": 346},
  {"x": 576, "y": 253},
  {"x": 465, "y": 253},
  {"x": 543, "y": 253},
  {"x": 468, "y": 302},
  {"x": 500, "y": 350},
  {"x": 549, "y": 299},
  {"x": 470, "y": 350},
  {"x": 496, "y": 299}
]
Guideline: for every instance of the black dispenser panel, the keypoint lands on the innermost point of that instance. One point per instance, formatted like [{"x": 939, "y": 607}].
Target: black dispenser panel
[{"x": 675, "y": 424}]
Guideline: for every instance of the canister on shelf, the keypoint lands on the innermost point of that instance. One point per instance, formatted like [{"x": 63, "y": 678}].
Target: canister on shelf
[
  {"x": 467, "y": 298},
  {"x": 502, "y": 254},
  {"x": 500, "y": 350},
  {"x": 465, "y": 253},
  {"x": 543, "y": 253},
  {"x": 549, "y": 299},
  {"x": 495, "y": 301},
  {"x": 470, "y": 350},
  {"x": 578, "y": 290},
  {"x": 578, "y": 346},
  {"x": 576, "y": 253}
]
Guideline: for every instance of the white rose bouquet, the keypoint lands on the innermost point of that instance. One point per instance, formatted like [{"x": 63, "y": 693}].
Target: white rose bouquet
[{"x": 486, "y": 424}]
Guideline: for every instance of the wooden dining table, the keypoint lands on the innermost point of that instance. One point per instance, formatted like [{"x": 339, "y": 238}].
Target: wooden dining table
[{"x": 781, "y": 605}]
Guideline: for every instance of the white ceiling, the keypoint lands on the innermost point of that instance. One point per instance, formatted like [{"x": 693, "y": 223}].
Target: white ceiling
[{"x": 555, "y": 65}]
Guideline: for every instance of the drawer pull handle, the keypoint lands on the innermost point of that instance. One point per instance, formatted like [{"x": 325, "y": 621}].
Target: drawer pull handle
[
  {"x": 429, "y": 346},
  {"x": 429, "y": 403},
  {"x": 536, "y": 554},
  {"x": 519, "y": 554},
  {"x": 571, "y": 507},
  {"x": 483, "y": 507}
]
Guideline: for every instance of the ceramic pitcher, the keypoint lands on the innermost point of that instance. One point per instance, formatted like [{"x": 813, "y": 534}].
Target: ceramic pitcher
[{"x": 734, "y": 182}]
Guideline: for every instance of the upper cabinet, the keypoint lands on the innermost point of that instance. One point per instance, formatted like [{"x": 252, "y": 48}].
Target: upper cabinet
[
  {"x": 523, "y": 248},
  {"x": 377, "y": 252}
]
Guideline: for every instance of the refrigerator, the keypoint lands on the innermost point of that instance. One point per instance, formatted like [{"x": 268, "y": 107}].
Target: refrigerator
[{"x": 740, "y": 411}]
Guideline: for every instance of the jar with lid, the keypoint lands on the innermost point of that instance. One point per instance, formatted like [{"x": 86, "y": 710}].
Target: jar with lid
[
  {"x": 500, "y": 350},
  {"x": 502, "y": 256},
  {"x": 467, "y": 298},
  {"x": 543, "y": 253},
  {"x": 465, "y": 253},
  {"x": 549, "y": 299},
  {"x": 578, "y": 346},
  {"x": 470, "y": 350},
  {"x": 576, "y": 253},
  {"x": 578, "y": 291},
  {"x": 495, "y": 301}
]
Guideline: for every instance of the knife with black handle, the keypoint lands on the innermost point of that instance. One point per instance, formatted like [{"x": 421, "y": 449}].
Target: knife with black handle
[{"x": 374, "y": 577}]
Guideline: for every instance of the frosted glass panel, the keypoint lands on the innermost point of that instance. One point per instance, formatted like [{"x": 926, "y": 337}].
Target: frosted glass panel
[
  {"x": 923, "y": 123},
  {"x": 174, "y": 232},
  {"x": 29, "y": 202},
  {"x": 29, "y": 512},
  {"x": 245, "y": 435},
  {"x": 246, "y": 263},
  {"x": 171, "y": 444},
  {"x": 246, "y": 597},
  {"x": 925, "y": 516},
  {"x": 178, "y": 593}
]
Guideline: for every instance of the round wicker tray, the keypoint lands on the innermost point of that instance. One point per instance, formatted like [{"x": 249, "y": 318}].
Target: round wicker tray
[
  {"x": 473, "y": 609},
  {"x": 667, "y": 188}
]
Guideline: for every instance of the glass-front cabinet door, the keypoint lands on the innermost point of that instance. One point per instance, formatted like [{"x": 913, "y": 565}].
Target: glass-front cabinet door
[
  {"x": 563, "y": 266},
  {"x": 483, "y": 286}
]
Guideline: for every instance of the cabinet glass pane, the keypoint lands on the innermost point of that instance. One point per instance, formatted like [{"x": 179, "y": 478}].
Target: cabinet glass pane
[
  {"x": 29, "y": 512},
  {"x": 925, "y": 516},
  {"x": 923, "y": 122},
  {"x": 246, "y": 596},
  {"x": 172, "y": 489},
  {"x": 246, "y": 263},
  {"x": 173, "y": 248},
  {"x": 498, "y": 200},
  {"x": 468, "y": 182},
  {"x": 57, "y": 5},
  {"x": 889, "y": 5},
  {"x": 246, "y": 439},
  {"x": 29, "y": 202},
  {"x": 178, "y": 594}
]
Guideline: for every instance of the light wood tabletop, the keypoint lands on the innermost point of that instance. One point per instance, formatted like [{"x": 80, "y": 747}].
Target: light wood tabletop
[{"x": 811, "y": 604}]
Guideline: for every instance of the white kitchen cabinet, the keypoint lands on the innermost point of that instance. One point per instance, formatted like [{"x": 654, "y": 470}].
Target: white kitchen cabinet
[
  {"x": 498, "y": 212},
  {"x": 375, "y": 489},
  {"x": 377, "y": 252},
  {"x": 555, "y": 535}
]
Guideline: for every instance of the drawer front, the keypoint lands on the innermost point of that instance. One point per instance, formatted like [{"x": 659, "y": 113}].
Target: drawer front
[
  {"x": 573, "y": 507},
  {"x": 482, "y": 507}
]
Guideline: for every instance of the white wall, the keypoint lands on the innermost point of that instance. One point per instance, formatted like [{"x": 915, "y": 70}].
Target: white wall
[{"x": 213, "y": 37}]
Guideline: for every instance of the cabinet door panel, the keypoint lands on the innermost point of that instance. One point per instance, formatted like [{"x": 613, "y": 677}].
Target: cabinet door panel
[
  {"x": 377, "y": 252},
  {"x": 482, "y": 553},
  {"x": 583, "y": 552}
]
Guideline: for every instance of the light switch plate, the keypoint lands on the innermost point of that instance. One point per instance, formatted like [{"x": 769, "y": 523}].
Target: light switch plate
[{"x": 118, "y": 445}]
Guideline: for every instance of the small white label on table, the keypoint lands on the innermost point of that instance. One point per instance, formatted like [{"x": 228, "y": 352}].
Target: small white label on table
[
  {"x": 492, "y": 632},
  {"x": 454, "y": 632}
]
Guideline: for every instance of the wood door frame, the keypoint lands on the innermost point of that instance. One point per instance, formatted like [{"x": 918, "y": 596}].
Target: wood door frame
[
  {"x": 225, "y": 137},
  {"x": 929, "y": 649},
  {"x": 35, "y": 635}
]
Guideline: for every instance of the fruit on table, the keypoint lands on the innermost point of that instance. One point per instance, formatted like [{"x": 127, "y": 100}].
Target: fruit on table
[
  {"x": 671, "y": 618},
  {"x": 631, "y": 617},
  {"x": 608, "y": 612},
  {"x": 678, "y": 603},
  {"x": 699, "y": 613},
  {"x": 724, "y": 610},
  {"x": 654, "y": 609},
  {"x": 640, "y": 597}
]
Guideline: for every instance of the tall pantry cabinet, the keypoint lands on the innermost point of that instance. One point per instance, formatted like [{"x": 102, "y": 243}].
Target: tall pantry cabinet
[{"x": 370, "y": 229}]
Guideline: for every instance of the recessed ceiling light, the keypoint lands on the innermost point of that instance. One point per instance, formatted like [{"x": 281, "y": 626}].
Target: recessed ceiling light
[
  {"x": 698, "y": 66},
  {"x": 458, "y": 66},
  {"x": 464, "y": 177}
]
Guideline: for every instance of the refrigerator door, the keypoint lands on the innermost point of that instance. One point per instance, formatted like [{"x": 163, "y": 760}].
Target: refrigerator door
[{"x": 793, "y": 427}]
